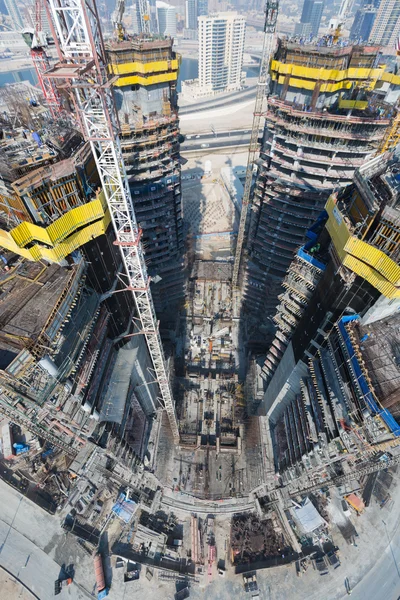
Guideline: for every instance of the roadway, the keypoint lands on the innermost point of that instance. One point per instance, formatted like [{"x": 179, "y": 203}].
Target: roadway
[
  {"x": 189, "y": 504},
  {"x": 383, "y": 580},
  {"x": 33, "y": 547},
  {"x": 217, "y": 101},
  {"x": 219, "y": 139}
]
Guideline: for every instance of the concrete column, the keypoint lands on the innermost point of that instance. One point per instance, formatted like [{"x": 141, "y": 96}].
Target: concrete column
[{"x": 315, "y": 95}]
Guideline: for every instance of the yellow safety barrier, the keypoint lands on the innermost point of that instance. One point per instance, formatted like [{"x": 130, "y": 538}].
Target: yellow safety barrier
[
  {"x": 375, "y": 258},
  {"x": 349, "y": 104},
  {"x": 320, "y": 74},
  {"x": 26, "y": 233},
  {"x": 308, "y": 84}
]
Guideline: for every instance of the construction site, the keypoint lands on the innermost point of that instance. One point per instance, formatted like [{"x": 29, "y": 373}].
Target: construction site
[
  {"x": 198, "y": 380},
  {"x": 146, "y": 73}
]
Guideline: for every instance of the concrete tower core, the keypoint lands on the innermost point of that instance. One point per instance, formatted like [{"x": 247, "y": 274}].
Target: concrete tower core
[{"x": 145, "y": 92}]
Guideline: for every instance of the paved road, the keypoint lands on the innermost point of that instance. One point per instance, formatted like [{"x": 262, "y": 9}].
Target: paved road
[
  {"x": 206, "y": 141},
  {"x": 33, "y": 546},
  {"x": 222, "y": 507},
  {"x": 31, "y": 565},
  {"x": 383, "y": 581},
  {"x": 233, "y": 98}
]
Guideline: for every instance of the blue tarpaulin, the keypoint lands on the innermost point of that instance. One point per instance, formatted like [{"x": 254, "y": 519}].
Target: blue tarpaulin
[
  {"x": 124, "y": 508},
  {"x": 310, "y": 259},
  {"x": 362, "y": 382}
]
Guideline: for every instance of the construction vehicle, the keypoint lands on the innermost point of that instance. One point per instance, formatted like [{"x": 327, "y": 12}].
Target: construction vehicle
[
  {"x": 250, "y": 583},
  {"x": 355, "y": 502},
  {"x": 83, "y": 69},
  {"x": 37, "y": 41},
  {"x": 271, "y": 15},
  {"x": 59, "y": 584}
]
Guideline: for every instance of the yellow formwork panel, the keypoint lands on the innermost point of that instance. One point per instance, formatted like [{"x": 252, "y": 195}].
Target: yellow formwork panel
[
  {"x": 337, "y": 227},
  {"x": 144, "y": 68},
  {"x": 140, "y": 80},
  {"x": 307, "y": 84},
  {"x": 7, "y": 242},
  {"x": 61, "y": 235},
  {"x": 390, "y": 78},
  {"x": 318, "y": 74},
  {"x": 374, "y": 258},
  {"x": 349, "y": 104},
  {"x": 363, "y": 259},
  {"x": 13, "y": 205},
  {"x": 77, "y": 217},
  {"x": 74, "y": 241},
  {"x": 60, "y": 251},
  {"x": 372, "y": 276},
  {"x": 26, "y": 233}
]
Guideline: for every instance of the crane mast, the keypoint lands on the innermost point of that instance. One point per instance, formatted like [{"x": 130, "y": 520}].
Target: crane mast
[
  {"x": 392, "y": 136},
  {"x": 38, "y": 44},
  {"x": 84, "y": 66},
  {"x": 117, "y": 19},
  {"x": 271, "y": 15},
  {"x": 144, "y": 10}
]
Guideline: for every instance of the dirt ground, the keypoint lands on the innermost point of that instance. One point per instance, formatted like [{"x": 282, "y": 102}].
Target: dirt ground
[
  {"x": 11, "y": 588},
  {"x": 208, "y": 211}
]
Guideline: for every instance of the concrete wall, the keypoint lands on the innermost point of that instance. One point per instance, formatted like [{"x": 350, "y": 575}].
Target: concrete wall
[
  {"x": 383, "y": 308},
  {"x": 284, "y": 385},
  {"x": 142, "y": 376}
]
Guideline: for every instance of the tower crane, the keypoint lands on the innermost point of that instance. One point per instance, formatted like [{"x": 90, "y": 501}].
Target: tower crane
[
  {"x": 117, "y": 17},
  {"x": 118, "y": 14},
  {"x": 336, "y": 23},
  {"x": 271, "y": 15},
  {"x": 392, "y": 136},
  {"x": 144, "y": 11},
  {"x": 83, "y": 65},
  {"x": 37, "y": 42}
]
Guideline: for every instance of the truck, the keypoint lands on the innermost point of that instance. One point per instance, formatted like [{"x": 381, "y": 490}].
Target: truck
[
  {"x": 250, "y": 582},
  {"x": 102, "y": 590},
  {"x": 59, "y": 584}
]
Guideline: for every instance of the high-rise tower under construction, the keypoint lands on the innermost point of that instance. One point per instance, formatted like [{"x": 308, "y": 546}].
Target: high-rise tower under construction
[
  {"x": 145, "y": 90},
  {"x": 328, "y": 110}
]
